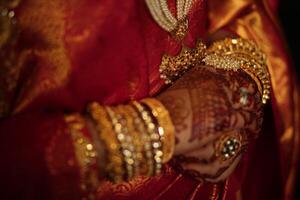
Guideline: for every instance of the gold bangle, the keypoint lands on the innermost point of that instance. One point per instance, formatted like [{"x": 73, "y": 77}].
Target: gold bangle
[
  {"x": 156, "y": 135},
  {"x": 85, "y": 152},
  {"x": 105, "y": 129},
  {"x": 133, "y": 121},
  {"x": 149, "y": 140},
  {"x": 120, "y": 125},
  {"x": 166, "y": 127},
  {"x": 142, "y": 140},
  {"x": 235, "y": 54}
]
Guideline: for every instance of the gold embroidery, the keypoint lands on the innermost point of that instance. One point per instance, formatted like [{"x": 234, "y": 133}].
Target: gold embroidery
[
  {"x": 215, "y": 193},
  {"x": 52, "y": 53}
]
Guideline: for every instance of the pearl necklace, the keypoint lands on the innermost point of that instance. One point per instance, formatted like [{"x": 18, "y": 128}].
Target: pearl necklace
[
  {"x": 172, "y": 67},
  {"x": 165, "y": 19}
]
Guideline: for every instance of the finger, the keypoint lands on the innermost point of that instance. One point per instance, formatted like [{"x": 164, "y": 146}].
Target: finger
[
  {"x": 207, "y": 169},
  {"x": 218, "y": 155},
  {"x": 213, "y": 172},
  {"x": 227, "y": 172},
  {"x": 205, "y": 153},
  {"x": 208, "y": 150},
  {"x": 195, "y": 145}
]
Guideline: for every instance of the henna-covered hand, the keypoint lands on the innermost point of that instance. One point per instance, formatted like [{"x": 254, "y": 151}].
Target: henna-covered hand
[{"x": 206, "y": 104}]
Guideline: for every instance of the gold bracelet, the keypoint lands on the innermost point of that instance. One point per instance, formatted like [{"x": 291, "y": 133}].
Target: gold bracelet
[
  {"x": 143, "y": 143},
  {"x": 85, "y": 153},
  {"x": 235, "y": 54},
  {"x": 121, "y": 128},
  {"x": 156, "y": 139},
  {"x": 166, "y": 127},
  {"x": 133, "y": 121},
  {"x": 148, "y": 139},
  {"x": 105, "y": 129}
]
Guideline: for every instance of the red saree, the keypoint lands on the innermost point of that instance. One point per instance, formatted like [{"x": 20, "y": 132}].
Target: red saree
[{"x": 73, "y": 52}]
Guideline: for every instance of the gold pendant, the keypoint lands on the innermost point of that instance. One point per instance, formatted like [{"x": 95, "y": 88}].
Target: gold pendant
[{"x": 180, "y": 31}]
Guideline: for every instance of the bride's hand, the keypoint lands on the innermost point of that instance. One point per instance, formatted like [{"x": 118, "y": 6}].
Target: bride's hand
[{"x": 215, "y": 114}]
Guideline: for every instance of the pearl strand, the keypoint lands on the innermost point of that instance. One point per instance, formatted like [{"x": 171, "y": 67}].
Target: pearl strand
[
  {"x": 167, "y": 12},
  {"x": 180, "y": 9},
  {"x": 187, "y": 7},
  {"x": 163, "y": 16},
  {"x": 158, "y": 16}
]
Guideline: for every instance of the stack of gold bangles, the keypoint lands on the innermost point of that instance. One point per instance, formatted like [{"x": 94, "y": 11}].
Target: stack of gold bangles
[{"x": 139, "y": 137}]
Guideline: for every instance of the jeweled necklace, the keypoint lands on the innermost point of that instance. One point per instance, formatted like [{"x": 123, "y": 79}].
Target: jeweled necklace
[
  {"x": 172, "y": 67},
  {"x": 161, "y": 13}
]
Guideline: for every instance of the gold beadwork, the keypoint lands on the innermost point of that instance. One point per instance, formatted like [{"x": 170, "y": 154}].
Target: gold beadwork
[
  {"x": 166, "y": 127},
  {"x": 172, "y": 67},
  {"x": 85, "y": 152},
  {"x": 180, "y": 30},
  {"x": 226, "y": 62},
  {"x": 105, "y": 129},
  {"x": 235, "y": 54}
]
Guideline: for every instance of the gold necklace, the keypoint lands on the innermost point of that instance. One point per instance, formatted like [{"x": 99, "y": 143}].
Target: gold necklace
[{"x": 161, "y": 13}]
